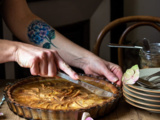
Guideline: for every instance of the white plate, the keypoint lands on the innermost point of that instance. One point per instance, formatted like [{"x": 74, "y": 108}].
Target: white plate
[
  {"x": 144, "y": 73},
  {"x": 143, "y": 93},
  {"x": 141, "y": 102},
  {"x": 142, "y": 99},
  {"x": 141, "y": 106}
]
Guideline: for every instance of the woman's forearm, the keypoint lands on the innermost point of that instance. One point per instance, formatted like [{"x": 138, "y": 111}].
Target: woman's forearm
[
  {"x": 32, "y": 29},
  {"x": 7, "y": 50},
  {"x": 41, "y": 61},
  {"x": 72, "y": 53}
]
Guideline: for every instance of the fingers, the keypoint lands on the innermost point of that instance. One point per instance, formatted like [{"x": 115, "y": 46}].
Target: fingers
[
  {"x": 111, "y": 71},
  {"x": 44, "y": 64},
  {"x": 66, "y": 68},
  {"x": 47, "y": 63},
  {"x": 110, "y": 76},
  {"x": 52, "y": 66},
  {"x": 119, "y": 75},
  {"x": 35, "y": 67},
  {"x": 114, "y": 73}
]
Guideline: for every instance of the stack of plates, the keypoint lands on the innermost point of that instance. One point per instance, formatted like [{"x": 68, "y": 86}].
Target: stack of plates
[{"x": 144, "y": 98}]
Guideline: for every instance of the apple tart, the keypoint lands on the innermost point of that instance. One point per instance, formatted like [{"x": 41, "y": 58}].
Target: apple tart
[{"x": 56, "y": 98}]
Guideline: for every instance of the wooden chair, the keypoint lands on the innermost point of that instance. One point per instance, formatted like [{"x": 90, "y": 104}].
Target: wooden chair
[{"x": 135, "y": 21}]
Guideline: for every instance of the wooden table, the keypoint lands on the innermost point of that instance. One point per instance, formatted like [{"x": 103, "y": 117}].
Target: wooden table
[{"x": 123, "y": 111}]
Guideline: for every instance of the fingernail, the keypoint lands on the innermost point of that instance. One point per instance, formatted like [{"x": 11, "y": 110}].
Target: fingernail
[
  {"x": 89, "y": 118},
  {"x": 76, "y": 76},
  {"x": 119, "y": 83},
  {"x": 115, "y": 79}
]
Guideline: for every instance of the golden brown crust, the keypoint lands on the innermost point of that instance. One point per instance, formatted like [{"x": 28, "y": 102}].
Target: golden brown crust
[{"x": 80, "y": 98}]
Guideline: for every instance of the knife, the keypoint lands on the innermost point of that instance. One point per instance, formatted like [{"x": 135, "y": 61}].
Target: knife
[
  {"x": 124, "y": 46},
  {"x": 96, "y": 90}
]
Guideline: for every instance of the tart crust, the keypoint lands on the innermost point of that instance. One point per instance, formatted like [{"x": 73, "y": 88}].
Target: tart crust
[{"x": 59, "y": 96}]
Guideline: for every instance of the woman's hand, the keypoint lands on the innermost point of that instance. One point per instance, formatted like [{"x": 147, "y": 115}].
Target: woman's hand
[
  {"x": 99, "y": 67},
  {"x": 43, "y": 62}
]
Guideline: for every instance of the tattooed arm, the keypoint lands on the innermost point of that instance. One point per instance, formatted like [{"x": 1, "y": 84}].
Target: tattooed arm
[
  {"x": 30, "y": 28},
  {"x": 43, "y": 62}
]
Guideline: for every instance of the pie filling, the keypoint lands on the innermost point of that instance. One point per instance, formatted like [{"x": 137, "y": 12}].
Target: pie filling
[{"x": 56, "y": 94}]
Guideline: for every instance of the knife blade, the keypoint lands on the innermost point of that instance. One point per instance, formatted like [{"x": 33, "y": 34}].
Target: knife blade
[
  {"x": 96, "y": 90},
  {"x": 124, "y": 46}
]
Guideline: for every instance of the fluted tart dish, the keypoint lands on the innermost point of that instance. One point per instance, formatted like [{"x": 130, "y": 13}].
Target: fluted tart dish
[{"x": 55, "y": 98}]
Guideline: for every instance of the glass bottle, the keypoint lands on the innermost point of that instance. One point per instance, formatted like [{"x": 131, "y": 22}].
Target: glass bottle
[{"x": 150, "y": 59}]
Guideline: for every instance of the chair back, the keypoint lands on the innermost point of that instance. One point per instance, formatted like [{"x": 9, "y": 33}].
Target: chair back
[{"x": 135, "y": 21}]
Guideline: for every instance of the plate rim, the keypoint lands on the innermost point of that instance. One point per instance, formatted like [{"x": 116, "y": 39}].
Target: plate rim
[
  {"x": 139, "y": 93},
  {"x": 141, "y": 97},
  {"x": 142, "y": 103},
  {"x": 144, "y": 108}
]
